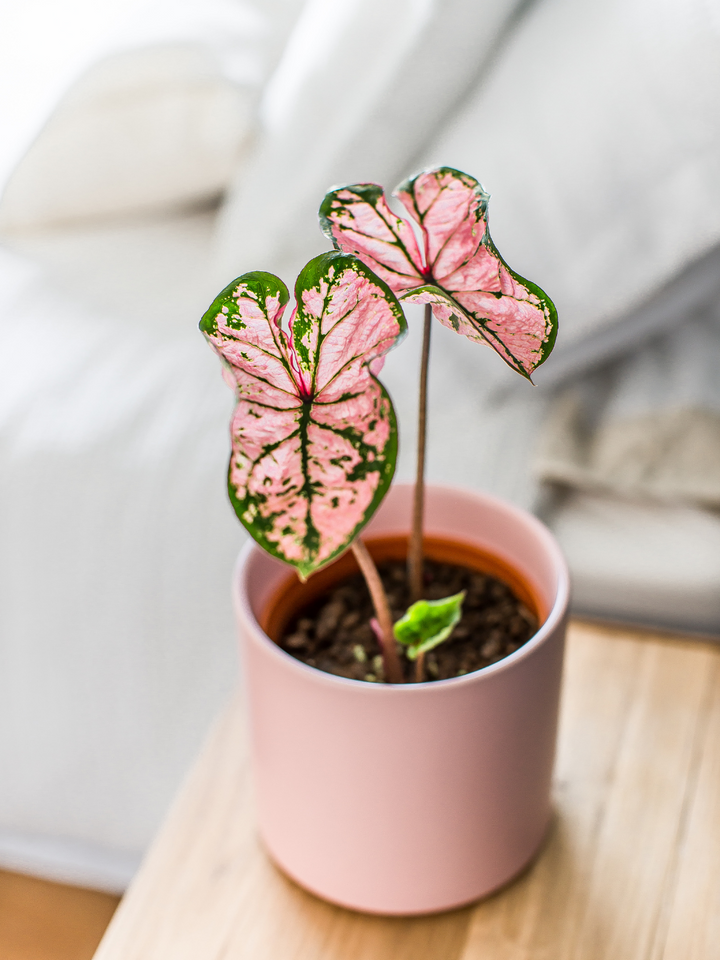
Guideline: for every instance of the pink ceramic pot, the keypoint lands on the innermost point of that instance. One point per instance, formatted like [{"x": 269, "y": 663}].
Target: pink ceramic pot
[{"x": 413, "y": 798}]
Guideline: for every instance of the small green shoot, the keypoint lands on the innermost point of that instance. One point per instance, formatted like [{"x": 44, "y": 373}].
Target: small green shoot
[{"x": 427, "y": 623}]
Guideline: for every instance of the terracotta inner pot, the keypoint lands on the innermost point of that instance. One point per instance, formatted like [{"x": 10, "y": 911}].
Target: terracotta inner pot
[{"x": 293, "y": 596}]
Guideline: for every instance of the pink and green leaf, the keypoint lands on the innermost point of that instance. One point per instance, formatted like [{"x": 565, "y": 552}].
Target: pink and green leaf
[
  {"x": 471, "y": 287},
  {"x": 314, "y": 436}
]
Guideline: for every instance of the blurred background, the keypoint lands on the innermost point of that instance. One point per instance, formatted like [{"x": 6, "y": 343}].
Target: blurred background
[{"x": 153, "y": 150}]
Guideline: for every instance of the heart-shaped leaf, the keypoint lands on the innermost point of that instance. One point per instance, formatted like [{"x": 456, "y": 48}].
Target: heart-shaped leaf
[
  {"x": 314, "y": 436},
  {"x": 460, "y": 272}
]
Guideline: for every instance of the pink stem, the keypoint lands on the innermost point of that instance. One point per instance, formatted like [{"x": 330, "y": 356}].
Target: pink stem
[{"x": 391, "y": 661}]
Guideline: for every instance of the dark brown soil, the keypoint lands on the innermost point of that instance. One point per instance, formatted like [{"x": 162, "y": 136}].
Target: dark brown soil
[{"x": 334, "y": 634}]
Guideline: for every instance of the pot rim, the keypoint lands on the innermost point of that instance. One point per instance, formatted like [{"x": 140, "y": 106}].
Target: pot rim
[{"x": 553, "y": 619}]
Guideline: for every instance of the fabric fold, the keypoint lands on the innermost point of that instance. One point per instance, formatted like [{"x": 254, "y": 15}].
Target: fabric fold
[{"x": 645, "y": 428}]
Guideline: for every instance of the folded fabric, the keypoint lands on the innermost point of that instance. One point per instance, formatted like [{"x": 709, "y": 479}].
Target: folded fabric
[
  {"x": 654, "y": 564},
  {"x": 646, "y": 427}
]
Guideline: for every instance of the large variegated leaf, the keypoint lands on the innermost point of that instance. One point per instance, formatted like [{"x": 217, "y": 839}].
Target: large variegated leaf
[
  {"x": 314, "y": 437},
  {"x": 461, "y": 273}
]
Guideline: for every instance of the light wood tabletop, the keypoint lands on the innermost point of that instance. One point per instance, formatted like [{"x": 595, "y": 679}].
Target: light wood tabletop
[{"x": 630, "y": 869}]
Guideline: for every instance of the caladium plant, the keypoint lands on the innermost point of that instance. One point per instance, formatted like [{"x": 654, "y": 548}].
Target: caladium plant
[
  {"x": 455, "y": 270},
  {"x": 314, "y": 434}
]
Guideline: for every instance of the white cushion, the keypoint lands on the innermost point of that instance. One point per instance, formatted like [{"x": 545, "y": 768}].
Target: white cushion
[{"x": 142, "y": 130}]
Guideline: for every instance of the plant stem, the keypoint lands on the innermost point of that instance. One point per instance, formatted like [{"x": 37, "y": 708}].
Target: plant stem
[
  {"x": 391, "y": 661},
  {"x": 420, "y": 668},
  {"x": 415, "y": 547}
]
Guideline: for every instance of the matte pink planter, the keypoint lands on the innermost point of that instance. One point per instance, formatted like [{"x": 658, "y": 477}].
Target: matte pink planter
[{"x": 413, "y": 798}]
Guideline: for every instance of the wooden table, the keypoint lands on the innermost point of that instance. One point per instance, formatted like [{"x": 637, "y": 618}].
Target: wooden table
[{"x": 630, "y": 871}]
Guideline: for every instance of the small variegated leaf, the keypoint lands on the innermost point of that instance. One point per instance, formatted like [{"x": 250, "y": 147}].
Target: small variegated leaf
[
  {"x": 462, "y": 274},
  {"x": 314, "y": 437},
  {"x": 427, "y": 623}
]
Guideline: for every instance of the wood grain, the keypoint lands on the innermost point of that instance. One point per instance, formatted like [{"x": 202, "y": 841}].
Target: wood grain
[
  {"x": 694, "y": 908},
  {"x": 631, "y": 868},
  {"x": 40, "y": 920},
  {"x": 631, "y": 711}
]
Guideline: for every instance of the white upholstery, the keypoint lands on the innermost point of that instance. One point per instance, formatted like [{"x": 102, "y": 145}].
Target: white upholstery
[
  {"x": 117, "y": 638},
  {"x": 142, "y": 131}
]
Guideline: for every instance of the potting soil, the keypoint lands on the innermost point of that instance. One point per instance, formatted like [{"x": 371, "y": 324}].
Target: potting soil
[{"x": 334, "y": 634}]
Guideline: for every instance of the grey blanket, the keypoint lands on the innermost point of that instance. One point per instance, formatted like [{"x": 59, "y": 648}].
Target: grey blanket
[{"x": 647, "y": 426}]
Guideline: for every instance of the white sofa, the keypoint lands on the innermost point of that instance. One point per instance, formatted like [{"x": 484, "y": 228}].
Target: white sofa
[{"x": 117, "y": 644}]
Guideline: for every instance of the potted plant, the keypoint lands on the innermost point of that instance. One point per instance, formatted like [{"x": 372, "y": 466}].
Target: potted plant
[{"x": 386, "y": 783}]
